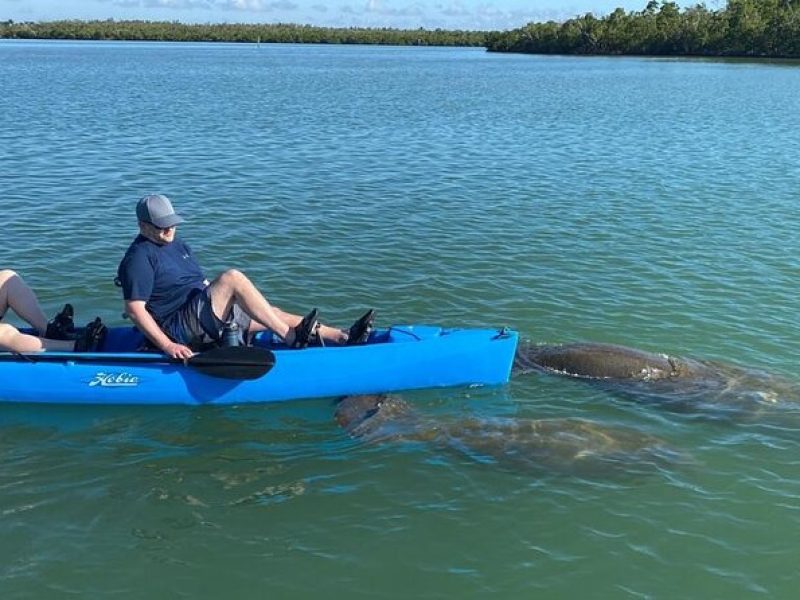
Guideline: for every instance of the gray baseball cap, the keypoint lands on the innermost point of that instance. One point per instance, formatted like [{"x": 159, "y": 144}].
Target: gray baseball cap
[{"x": 157, "y": 209}]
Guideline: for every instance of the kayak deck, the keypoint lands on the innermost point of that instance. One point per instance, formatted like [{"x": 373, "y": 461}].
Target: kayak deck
[{"x": 394, "y": 359}]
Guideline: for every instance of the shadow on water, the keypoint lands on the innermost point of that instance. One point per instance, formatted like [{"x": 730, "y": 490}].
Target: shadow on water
[{"x": 730, "y": 60}]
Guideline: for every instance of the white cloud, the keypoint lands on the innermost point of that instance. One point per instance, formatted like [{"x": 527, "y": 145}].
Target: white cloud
[
  {"x": 169, "y": 4},
  {"x": 400, "y": 14},
  {"x": 223, "y": 5},
  {"x": 454, "y": 9},
  {"x": 256, "y": 5},
  {"x": 378, "y": 7},
  {"x": 248, "y": 5}
]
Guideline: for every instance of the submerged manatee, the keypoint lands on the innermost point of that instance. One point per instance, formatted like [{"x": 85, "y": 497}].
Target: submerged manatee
[
  {"x": 605, "y": 361},
  {"x": 715, "y": 389},
  {"x": 562, "y": 446}
]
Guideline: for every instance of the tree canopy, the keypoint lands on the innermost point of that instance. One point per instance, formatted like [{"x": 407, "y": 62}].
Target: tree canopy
[
  {"x": 235, "y": 32},
  {"x": 748, "y": 28}
]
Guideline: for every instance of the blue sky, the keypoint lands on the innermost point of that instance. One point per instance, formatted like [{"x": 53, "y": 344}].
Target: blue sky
[{"x": 446, "y": 14}]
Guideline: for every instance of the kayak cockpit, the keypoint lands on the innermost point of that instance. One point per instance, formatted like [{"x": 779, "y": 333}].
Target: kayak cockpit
[{"x": 125, "y": 340}]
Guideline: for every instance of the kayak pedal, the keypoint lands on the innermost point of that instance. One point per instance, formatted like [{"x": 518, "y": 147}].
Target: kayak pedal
[{"x": 503, "y": 332}]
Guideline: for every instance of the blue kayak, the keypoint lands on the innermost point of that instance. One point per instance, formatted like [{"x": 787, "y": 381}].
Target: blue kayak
[{"x": 394, "y": 359}]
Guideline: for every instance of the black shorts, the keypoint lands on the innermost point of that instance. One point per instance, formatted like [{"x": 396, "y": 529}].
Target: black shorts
[{"x": 196, "y": 325}]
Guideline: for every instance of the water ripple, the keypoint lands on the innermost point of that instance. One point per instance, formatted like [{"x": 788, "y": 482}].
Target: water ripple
[{"x": 634, "y": 201}]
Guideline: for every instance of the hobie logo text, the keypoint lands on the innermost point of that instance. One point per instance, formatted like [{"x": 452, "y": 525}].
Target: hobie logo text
[{"x": 114, "y": 380}]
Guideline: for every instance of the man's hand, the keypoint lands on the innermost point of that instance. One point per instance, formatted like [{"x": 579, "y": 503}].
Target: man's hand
[
  {"x": 175, "y": 350},
  {"x": 137, "y": 310}
]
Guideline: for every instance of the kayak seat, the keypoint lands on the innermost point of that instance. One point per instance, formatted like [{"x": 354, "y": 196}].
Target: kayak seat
[
  {"x": 130, "y": 339},
  {"x": 124, "y": 339}
]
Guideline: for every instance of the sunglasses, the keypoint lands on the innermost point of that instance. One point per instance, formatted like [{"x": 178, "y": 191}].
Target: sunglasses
[{"x": 162, "y": 229}]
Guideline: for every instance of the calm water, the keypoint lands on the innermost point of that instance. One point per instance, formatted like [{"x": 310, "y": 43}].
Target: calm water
[{"x": 650, "y": 203}]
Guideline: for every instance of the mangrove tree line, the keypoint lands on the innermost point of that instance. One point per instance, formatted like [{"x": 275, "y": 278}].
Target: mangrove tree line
[
  {"x": 748, "y": 28},
  {"x": 235, "y": 32}
]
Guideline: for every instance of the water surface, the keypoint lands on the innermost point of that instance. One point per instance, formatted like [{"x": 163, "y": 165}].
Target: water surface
[{"x": 634, "y": 201}]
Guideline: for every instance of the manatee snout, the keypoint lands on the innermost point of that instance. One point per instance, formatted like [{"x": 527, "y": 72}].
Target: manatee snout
[
  {"x": 368, "y": 415},
  {"x": 352, "y": 410}
]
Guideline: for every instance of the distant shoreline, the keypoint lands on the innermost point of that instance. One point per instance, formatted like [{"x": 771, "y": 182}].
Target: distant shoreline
[
  {"x": 162, "y": 31},
  {"x": 763, "y": 29}
]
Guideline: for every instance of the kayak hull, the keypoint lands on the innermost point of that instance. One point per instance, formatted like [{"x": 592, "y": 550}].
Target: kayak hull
[{"x": 395, "y": 359}]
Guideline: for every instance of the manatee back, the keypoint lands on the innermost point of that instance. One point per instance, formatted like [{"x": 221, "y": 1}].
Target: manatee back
[{"x": 603, "y": 361}]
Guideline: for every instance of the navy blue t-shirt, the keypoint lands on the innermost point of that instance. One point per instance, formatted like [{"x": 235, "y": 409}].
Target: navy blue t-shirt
[{"x": 165, "y": 277}]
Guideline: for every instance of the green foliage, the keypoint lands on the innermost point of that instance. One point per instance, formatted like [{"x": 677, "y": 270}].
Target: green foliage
[
  {"x": 757, "y": 28},
  {"x": 236, "y": 32},
  {"x": 751, "y": 28}
]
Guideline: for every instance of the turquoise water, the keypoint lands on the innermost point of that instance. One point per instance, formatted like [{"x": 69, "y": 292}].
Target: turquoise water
[{"x": 643, "y": 202}]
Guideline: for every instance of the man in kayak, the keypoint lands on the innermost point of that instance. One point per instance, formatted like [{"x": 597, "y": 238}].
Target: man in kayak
[
  {"x": 174, "y": 305},
  {"x": 59, "y": 334}
]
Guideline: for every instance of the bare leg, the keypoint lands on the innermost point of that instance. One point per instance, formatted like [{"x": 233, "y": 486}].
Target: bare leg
[
  {"x": 11, "y": 339},
  {"x": 233, "y": 286},
  {"x": 15, "y": 293}
]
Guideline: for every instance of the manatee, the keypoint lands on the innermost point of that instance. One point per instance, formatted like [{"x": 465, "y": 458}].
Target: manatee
[
  {"x": 605, "y": 361},
  {"x": 715, "y": 389},
  {"x": 554, "y": 446}
]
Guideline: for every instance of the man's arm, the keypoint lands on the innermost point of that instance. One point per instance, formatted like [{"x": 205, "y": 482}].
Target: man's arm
[{"x": 148, "y": 326}]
